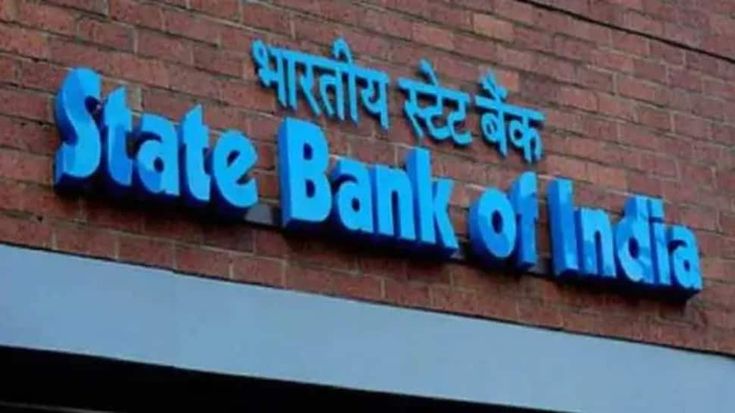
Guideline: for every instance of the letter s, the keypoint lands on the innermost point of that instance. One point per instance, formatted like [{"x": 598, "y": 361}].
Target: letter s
[{"x": 79, "y": 156}]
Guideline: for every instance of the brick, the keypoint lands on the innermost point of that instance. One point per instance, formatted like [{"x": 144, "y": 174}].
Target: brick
[
  {"x": 642, "y": 23},
  {"x": 42, "y": 201},
  {"x": 43, "y": 76},
  {"x": 72, "y": 54},
  {"x": 257, "y": 270},
  {"x": 107, "y": 34},
  {"x": 8, "y": 70},
  {"x": 615, "y": 106},
  {"x": 101, "y": 213},
  {"x": 607, "y": 59},
  {"x": 191, "y": 26},
  {"x": 218, "y": 61},
  {"x": 655, "y": 118},
  {"x": 8, "y": 10},
  {"x": 193, "y": 82},
  {"x": 407, "y": 294},
  {"x": 432, "y": 36},
  {"x": 555, "y": 68},
  {"x": 595, "y": 79},
  {"x": 143, "y": 70},
  {"x": 578, "y": 98},
  {"x": 161, "y": 46},
  {"x": 454, "y": 301},
  {"x": 650, "y": 70},
  {"x": 381, "y": 22},
  {"x": 137, "y": 13},
  {"x": 691, "y": 126},
  {"x": 25, "y": 167},
  {"x": 24, "y": 104},
  {"x": 658, "y": 165},
  {"x": 492, "y": 27},
  {"x": 515, "y": 58},
  {"x": 247, "y": 96},
  {"x": 536, "y": 312},
  {"x": 724, "y": 134},
  {"x": 668, "y": 53},
  {"x": 680, "y": 34},
  {"x": 488, "y": 51},
  {"x": 23, "y": 42},
  {"x": 147, "y": 251},
  {"x": 640, "y": 137},
  {"x": 358, "y": 287},
  {"x": 367, "y": 45},
  {"x": 639, "y": 89},
  {"x": 94, "y": 6},
  {"x": 513, "y": 10},
  {"x": 12, "y": 192},
  {"x": 709, "y": 108},
  {"x": 227, "y": 9},
  {"x": 80, "y": 239},
  {"x": 603, "y": 10},
  {"x": 261, "y": 16},
  {"x": 204, "y": 261},
  {"x": 630, "y": 43},
  {"x": 607, "y": 177},
  {"x": 24, "y": 231},
  {"x": 686, "y": 79},
  {"x": 44, "y": 17},
  {"x": 309, "y": 279}
]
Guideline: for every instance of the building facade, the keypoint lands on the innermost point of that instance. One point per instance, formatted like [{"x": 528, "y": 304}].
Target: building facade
[{"x": 230, "y": 301}]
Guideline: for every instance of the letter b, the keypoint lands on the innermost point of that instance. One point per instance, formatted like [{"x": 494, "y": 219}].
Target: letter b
[{"x": 303, "y": 157}]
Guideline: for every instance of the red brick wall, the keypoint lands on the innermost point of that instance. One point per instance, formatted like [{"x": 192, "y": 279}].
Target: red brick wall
[{"x": 639, "y": 96}]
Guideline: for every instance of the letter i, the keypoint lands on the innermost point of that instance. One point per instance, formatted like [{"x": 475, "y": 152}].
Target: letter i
[{"x": 661, "y": 267}]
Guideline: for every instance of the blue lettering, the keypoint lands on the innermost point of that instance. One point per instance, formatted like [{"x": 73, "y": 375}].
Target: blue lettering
[
  {"x": 303, "y": 159},
  {"x": 525, "y": 203},
  {"x": 195, "y": 181},
  {"x": 79, "y": 156},
  {"x": 431, "y": 202},
  {"x": 685, "y": 259},
  {"x": 595, "y": 242},
  {"x": 393, "y": 203},
  {"x": 117, "y": 125},
  {"x": 633, "y": 242},
  {"x": 157, "y": 160},
  {"x": 562, "y": 226},
  {"x": 353, "y": 201},
  {"x": 231, "y": 159},
  {"x": 492, "y": 226}
]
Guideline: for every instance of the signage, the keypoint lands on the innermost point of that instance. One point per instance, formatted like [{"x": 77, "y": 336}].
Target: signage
[{"x": 102, "y": 146}]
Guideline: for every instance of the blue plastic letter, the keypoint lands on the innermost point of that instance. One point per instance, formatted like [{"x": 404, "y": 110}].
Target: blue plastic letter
[
  {"x": 523, "y": 197},
  {"x": 303, "y": 157},
  {"x": 685, "y": 259},
  {"x": 561, "y": 223},
  {"x": 393, "y": 203},
  {"x": 232, "y": 158},
  {"x": 431, "y": 203},
  {"x": 79, "y": 156},
  {"x": 353, "y": 203},
  {"x": 195, "y": 181},
  {"x": 633, "y": 242},
  {"x": 157, "y": 160},
  {"x": 492, "y": 226},
  {"x": 659, "y": 244},
  {"x": 117, "y": 125},
  {"x": 596, "y": 248}
]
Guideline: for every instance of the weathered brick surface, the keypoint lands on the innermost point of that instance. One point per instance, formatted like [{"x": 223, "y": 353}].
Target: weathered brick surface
[{"x": 638, "y": 95}]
